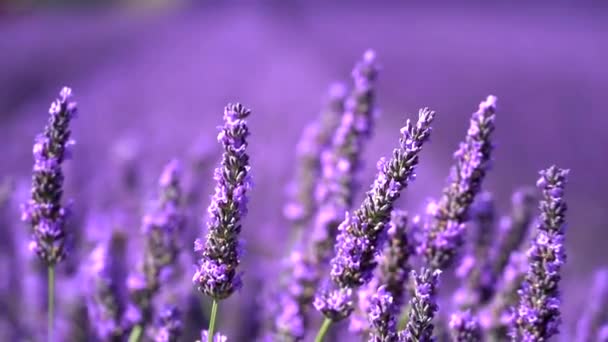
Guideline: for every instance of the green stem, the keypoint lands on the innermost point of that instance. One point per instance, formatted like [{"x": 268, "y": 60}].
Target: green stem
[
  {"x": 211, "y": 330},
  {"x": 51, "y": 292},
  {"x": 323, "y": 331},
  {"x": 135, "y": 333}
]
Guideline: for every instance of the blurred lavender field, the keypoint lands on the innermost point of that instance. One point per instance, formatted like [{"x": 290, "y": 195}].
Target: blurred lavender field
[{"x": 151, "y": 86}]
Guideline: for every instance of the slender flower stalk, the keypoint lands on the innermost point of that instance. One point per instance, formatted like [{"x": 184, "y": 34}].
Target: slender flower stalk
[
  {"x": 392, "y": 273},
  {"x": 465, "y": 327},
  {"x": 44, "y": 211},
  {"x": 444, "y": 235},
  {"x": 216, "y": 275},
  {"x": 362, "y": 232},
  {"x": 423, "y": 307},
  {"x": 162, "y": 230},
  {"x": 537, "y": 316},
  {"x": 594, "y": 314}
]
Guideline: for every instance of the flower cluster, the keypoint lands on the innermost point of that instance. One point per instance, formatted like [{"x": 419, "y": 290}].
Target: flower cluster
[
  {"x": 361, "y": 233},
  {"x": 445, "y": 234},
  {"x": 423, "y": 307},
  {"x": 217, "y": 337},
  {"x": 216, "y": 275},
  {"x": 381, "y": 315},
  {"x": 537, "y": 316},
  {"x": 44, "y": 211},
  {"x": 169, "y": 325},
  {"x": 465, "y": 327}
]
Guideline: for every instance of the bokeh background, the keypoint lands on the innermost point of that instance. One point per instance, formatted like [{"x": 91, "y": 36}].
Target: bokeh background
[{"x": 151, "y": 79}]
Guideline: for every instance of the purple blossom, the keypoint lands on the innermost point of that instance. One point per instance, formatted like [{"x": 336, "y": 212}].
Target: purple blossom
[
  {"x": 381, "y": 316},
  {"x": 217, "y": 337},
  {"x": 216, "y": 275},
  {"x": 594, "y": 313},
  {"x": 423, "y": 307},
  {"x": 335, "y": 304},
  {"x": 44, "y": 211},
  {"x": 537, "y": 316},
  {"x": 169, "y": 326},
  {"x": 472, "y": 159},
  {"x": 361, "y": 233},
  {"x": 465, "y": 327}
]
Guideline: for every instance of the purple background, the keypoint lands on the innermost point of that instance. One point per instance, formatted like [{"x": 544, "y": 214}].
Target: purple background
[{"x": 162, "y": 77}]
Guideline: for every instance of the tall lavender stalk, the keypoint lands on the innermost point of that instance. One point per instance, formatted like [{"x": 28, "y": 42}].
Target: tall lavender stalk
[
  {"x": 360, "y": 233},
  {"x": 44, "y": 211},
  {"x": 423, "y": 307},
  {"x": 444, "y": 235},
  {"x": 465, "y": 327},
  {"x": 162, "y": 230},
  {"x": 216, "y": 275},
  {"x": 537, "y": 316},
  {"x": 594, "y": 314}
]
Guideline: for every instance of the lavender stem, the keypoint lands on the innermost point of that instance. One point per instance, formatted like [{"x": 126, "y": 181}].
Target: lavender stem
[
  {"x": 323, "y": 330},
  {"x": 135, "y": 333},
  {"x": 51, "y": 280},
  {"x": 212, "y": 321}
]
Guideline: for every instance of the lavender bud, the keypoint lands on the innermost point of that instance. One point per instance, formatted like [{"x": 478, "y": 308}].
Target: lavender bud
[
  {"x": 334, "y": 304},
  {"x": 423, "y": 307},
  {"x": 44, "y": 211},
  {"x": 445, "y": 234},
  {"x": 169, "y": 325},
  {"x": 537, "y": 317},
  {"x": 216, "y": 275},
  {"x": 595, "y": 313},
  {"x": 361, "y": 233},
  {"x": 217, "y": 337},
  {"x": 381, "y": 316},
  {"x": 465, "y": 327}
]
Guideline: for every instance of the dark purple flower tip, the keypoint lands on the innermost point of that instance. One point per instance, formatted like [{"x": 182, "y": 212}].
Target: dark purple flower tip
[
  {"x": 423, "y": 306},
  {"x": 381, "y": 316}
]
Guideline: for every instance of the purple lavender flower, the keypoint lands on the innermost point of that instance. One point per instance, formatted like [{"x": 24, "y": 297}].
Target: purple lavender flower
[
  {"x": 465, "y": 327},
  {"x": 44, "y": 211},
  {"x": 340, "y": 162},
  {"x": 169, "y": 325},
  {"x": 216, "y": 275},
  {"x": 594, "y": 313},
  {"x": 217, "y": 337},
  {"x": 445, "y": 234},
  {"x": 423, "y": 307},
  {"x": 315, "y": 139},
  {"x": 602, "y": 334},
  {"x": 336, "y": 304},
  {"x": 537, "y": 317},
  {"x": 381, "y": 315},
  {"x": 360, "y": 234},
  {"x": 162, "y": 231}
]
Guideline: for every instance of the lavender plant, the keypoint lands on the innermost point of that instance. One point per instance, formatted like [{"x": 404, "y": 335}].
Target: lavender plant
[
  {"x": 382, "y": 317},
  {"x": 44, "y": 211},
  {"x": 169, "y": 325},
  {"x": 216, "y": 275},
  {"x": 423, "y": 307},
  {"x": 360, "y": 233},
  {"x": 465, "y": 327},
  {"x": 537, "y": 316},
  {"x": 594, "y": 314}
]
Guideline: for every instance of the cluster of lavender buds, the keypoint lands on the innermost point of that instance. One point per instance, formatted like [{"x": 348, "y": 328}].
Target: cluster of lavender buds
[
  {"x": 361, "y": 233},
  {"x": 422, "y": 307},
  {"x": 381, "y": 315},
  {"x": 339, "y": 163},
  {"x": 391, "y": 274},
  {"x": 465, "y": 327},
  {"x": 216, "y": 275},
  {"x": 316, "y": 138},
  {"x": 162, "y": 232},
  {"x": 537, "y": 316},
  {"x": 169, "y": 325},
  {"x": 44, "y": 211},
  {"x": 217, "y": 337},
  {"x": 445, "y": 232},
  {"x": 595, "y": 314}
]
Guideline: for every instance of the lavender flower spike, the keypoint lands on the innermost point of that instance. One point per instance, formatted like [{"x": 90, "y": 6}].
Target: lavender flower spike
[
  {"x": 445, "y": 234},
  {"x": 169, "y": 325},
  {"x": 423, "y": 307},
  {"x": 358, "y": 241},
  {"x": 537, "y": 317},
  {"x": 381, "y": 315},
  {"x": 465, "y": 327},
  {"x": 216, "y": 275},
  {"x": 217, "y": 337},
  {"x": 44, "y": 211}
]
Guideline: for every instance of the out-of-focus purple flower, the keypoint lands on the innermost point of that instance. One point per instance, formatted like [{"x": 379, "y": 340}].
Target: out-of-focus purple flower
[
  {"x": 162, "y": 230},
  {"x": 602, "y": 334},
  {"x": 361, "y": 233},
  {"x": 169, "y": 327},
  {"x": 216, "y": 275},
  {"x": 335, "y": 304},
  {"x": 392, "y": 272},
  {"x": 423, "y": 307},
  {"x": 381, "y": 316},
  {"x": 537, "y": 316},
  {"x": 316, "y": 137},
  {"x": 594, "y": 314},
  {"x": 44, "y": 211},
  {"x": 106, "y": 295},
  {"x": 444, "y": 235},
  {"x": 496, "y": 316},
  {"x": 340, "y": 162},
  {"x": 465, "y": 327},
  {"x": 217, "y": 337}
]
